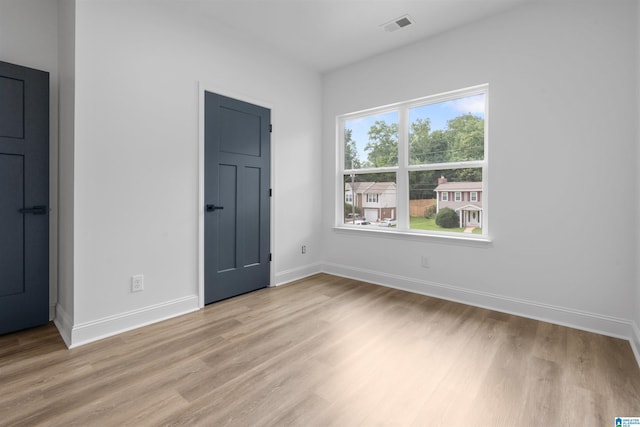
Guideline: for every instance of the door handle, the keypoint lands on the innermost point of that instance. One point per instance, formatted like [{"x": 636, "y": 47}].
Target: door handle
[
  {"x": 211, "y": 208},
  {"x": 36, "y": 210}
]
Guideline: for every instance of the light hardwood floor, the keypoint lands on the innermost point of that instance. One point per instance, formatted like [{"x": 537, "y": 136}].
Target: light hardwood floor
[{"x": 324, "y": 351}]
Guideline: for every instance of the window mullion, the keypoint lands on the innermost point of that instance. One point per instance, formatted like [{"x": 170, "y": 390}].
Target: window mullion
[{"x": 402, "y": 176}]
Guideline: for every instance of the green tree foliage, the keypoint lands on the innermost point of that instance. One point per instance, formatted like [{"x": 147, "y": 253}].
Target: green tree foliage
[
  {"x": 419, "y": 141},
  {"x": 447, "y": 218},
  {"x": 466, "y": 138},
  {"x": 382, "y": 148},
  {"x": 466, "y": 175},
  {"x": 349, "y": 208},
  {"x": 439, "y": 147},
  {"x": 462, "y": 140},
  {"x": 430, "y": 211},
  {"x": 351, "y": 160},
  {"x": 422, "y": 184},
  {"x": 426, "y": 146}
]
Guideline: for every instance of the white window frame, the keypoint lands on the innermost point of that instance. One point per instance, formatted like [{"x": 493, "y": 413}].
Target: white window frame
[
  {"x": 403, "y": 168},
  {"x": 473, "y": 197},
  {"x": 372, "y": 198},
  {"x": 445, "y": 196},
  {"x": 457, "y": 196}
]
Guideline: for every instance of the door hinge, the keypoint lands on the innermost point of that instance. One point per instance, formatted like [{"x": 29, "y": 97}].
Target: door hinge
[
  {"x": 269, "y": 256},
  {"x": 270, "y": 128}
]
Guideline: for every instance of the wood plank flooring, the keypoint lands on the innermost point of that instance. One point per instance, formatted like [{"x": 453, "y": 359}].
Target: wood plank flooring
[{"x": 325, "y": 351}]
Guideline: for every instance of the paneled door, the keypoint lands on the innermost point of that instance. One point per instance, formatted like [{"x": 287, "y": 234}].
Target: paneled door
[
  {"x": 237, "y": 197},
  {"x": 24, "y": 197}
]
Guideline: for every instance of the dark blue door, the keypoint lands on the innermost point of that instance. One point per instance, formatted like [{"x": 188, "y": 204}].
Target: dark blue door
[
  {"x": 24, "y": 197},
  {"x": 237, "y": 175}
]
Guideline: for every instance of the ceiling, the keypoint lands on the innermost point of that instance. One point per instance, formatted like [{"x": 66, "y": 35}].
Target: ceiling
[{"x": 328, "y": 34}]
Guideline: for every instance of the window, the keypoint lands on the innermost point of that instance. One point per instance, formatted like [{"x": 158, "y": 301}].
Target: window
[
  {"x": 401, "y": 157},
  {"x": 348, "y": 197}
]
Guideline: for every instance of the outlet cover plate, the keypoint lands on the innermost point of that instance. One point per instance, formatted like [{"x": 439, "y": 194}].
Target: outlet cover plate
[{"x": 137, "y": 283}]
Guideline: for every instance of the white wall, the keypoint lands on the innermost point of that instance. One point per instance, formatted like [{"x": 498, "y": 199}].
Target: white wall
[
  {"x": 66, "y": 63},
  {"x": 28, "y": 37},
  {"x": 138, "y": 65},
  {"x": 635, "y": 341},
  {"x": 562, "y": 181}
]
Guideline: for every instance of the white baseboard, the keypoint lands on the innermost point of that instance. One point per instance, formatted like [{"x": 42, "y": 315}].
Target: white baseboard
[
  {"x": 288, "y": 276},
  {"x": 84, "y": 333},
  {"x": 604, "y": 325},
  {"x": 635, "y": 340}
]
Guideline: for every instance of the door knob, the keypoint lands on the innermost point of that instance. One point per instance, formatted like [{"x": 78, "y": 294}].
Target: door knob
[{"x": 36, "y": 210}]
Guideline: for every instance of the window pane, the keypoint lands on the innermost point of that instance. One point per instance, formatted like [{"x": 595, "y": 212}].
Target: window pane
[
  {"x": 374, "y": 199},
  {"x": 449, "y": 131},
  {"x": 446, "y": 200},
  {"x": 371, "y": 141}
]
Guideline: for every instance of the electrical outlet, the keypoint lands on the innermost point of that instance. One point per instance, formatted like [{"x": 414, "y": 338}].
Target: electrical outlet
[
  {"x": 137, "y": 283},
  {"x": 304, "y": 249},
  {"x": 425, "y": 262}
]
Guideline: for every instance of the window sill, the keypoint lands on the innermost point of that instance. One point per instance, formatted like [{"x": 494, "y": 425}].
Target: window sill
[{"x": 434, "y": 237}]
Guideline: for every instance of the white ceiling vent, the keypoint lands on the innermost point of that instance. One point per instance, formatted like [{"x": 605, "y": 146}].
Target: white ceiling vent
[{"x": 396, "y": 24}]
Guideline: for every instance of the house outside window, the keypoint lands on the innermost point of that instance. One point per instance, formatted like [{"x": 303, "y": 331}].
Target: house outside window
[
  {"x": 348, "y": 197},
  {"x": 469, "y": 211},
  {"x": 402, "y": 161}
]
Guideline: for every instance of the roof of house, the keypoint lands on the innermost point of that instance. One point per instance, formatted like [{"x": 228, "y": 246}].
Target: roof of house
[
  {"x": 459, "y": 186},
  {"x": 470, "y": 207},
  {"x": 379, "y": 187},
  {"x": 371, "y": 187}
]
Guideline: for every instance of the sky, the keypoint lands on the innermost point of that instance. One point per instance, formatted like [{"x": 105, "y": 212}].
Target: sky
[{"x": 439, "y": 113}]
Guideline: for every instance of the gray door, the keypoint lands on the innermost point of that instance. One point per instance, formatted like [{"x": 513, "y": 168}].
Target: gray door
[
  {"x": 237, "y": 171},
  {"x": 24, "y": 196}
]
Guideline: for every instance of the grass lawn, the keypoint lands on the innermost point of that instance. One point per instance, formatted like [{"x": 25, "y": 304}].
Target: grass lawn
[{"x": 422, "y": 223}]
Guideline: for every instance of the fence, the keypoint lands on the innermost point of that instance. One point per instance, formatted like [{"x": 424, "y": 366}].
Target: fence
[{"x": 417, "y": 207}]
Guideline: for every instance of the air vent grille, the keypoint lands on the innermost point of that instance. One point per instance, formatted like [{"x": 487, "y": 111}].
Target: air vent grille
[{"x": 396, "y": 24}]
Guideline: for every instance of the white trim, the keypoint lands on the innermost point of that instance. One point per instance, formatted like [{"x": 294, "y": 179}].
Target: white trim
[
  {"x": 457, "y": 196},
  {"x": 443, "y": 237},
  {"x": 635, "y": 341},
  {"x": 201, "y": 203},
  {"x": 469, "y": 208},
  {"x": 471, "y": 198},
  {"x": 591, "y": 322},
  {"x": 291, "y": 275},
  {"x": 64, "y": 323},
  {"x": 202, "y": 87},
  {"x": 87, "y": 332}
]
